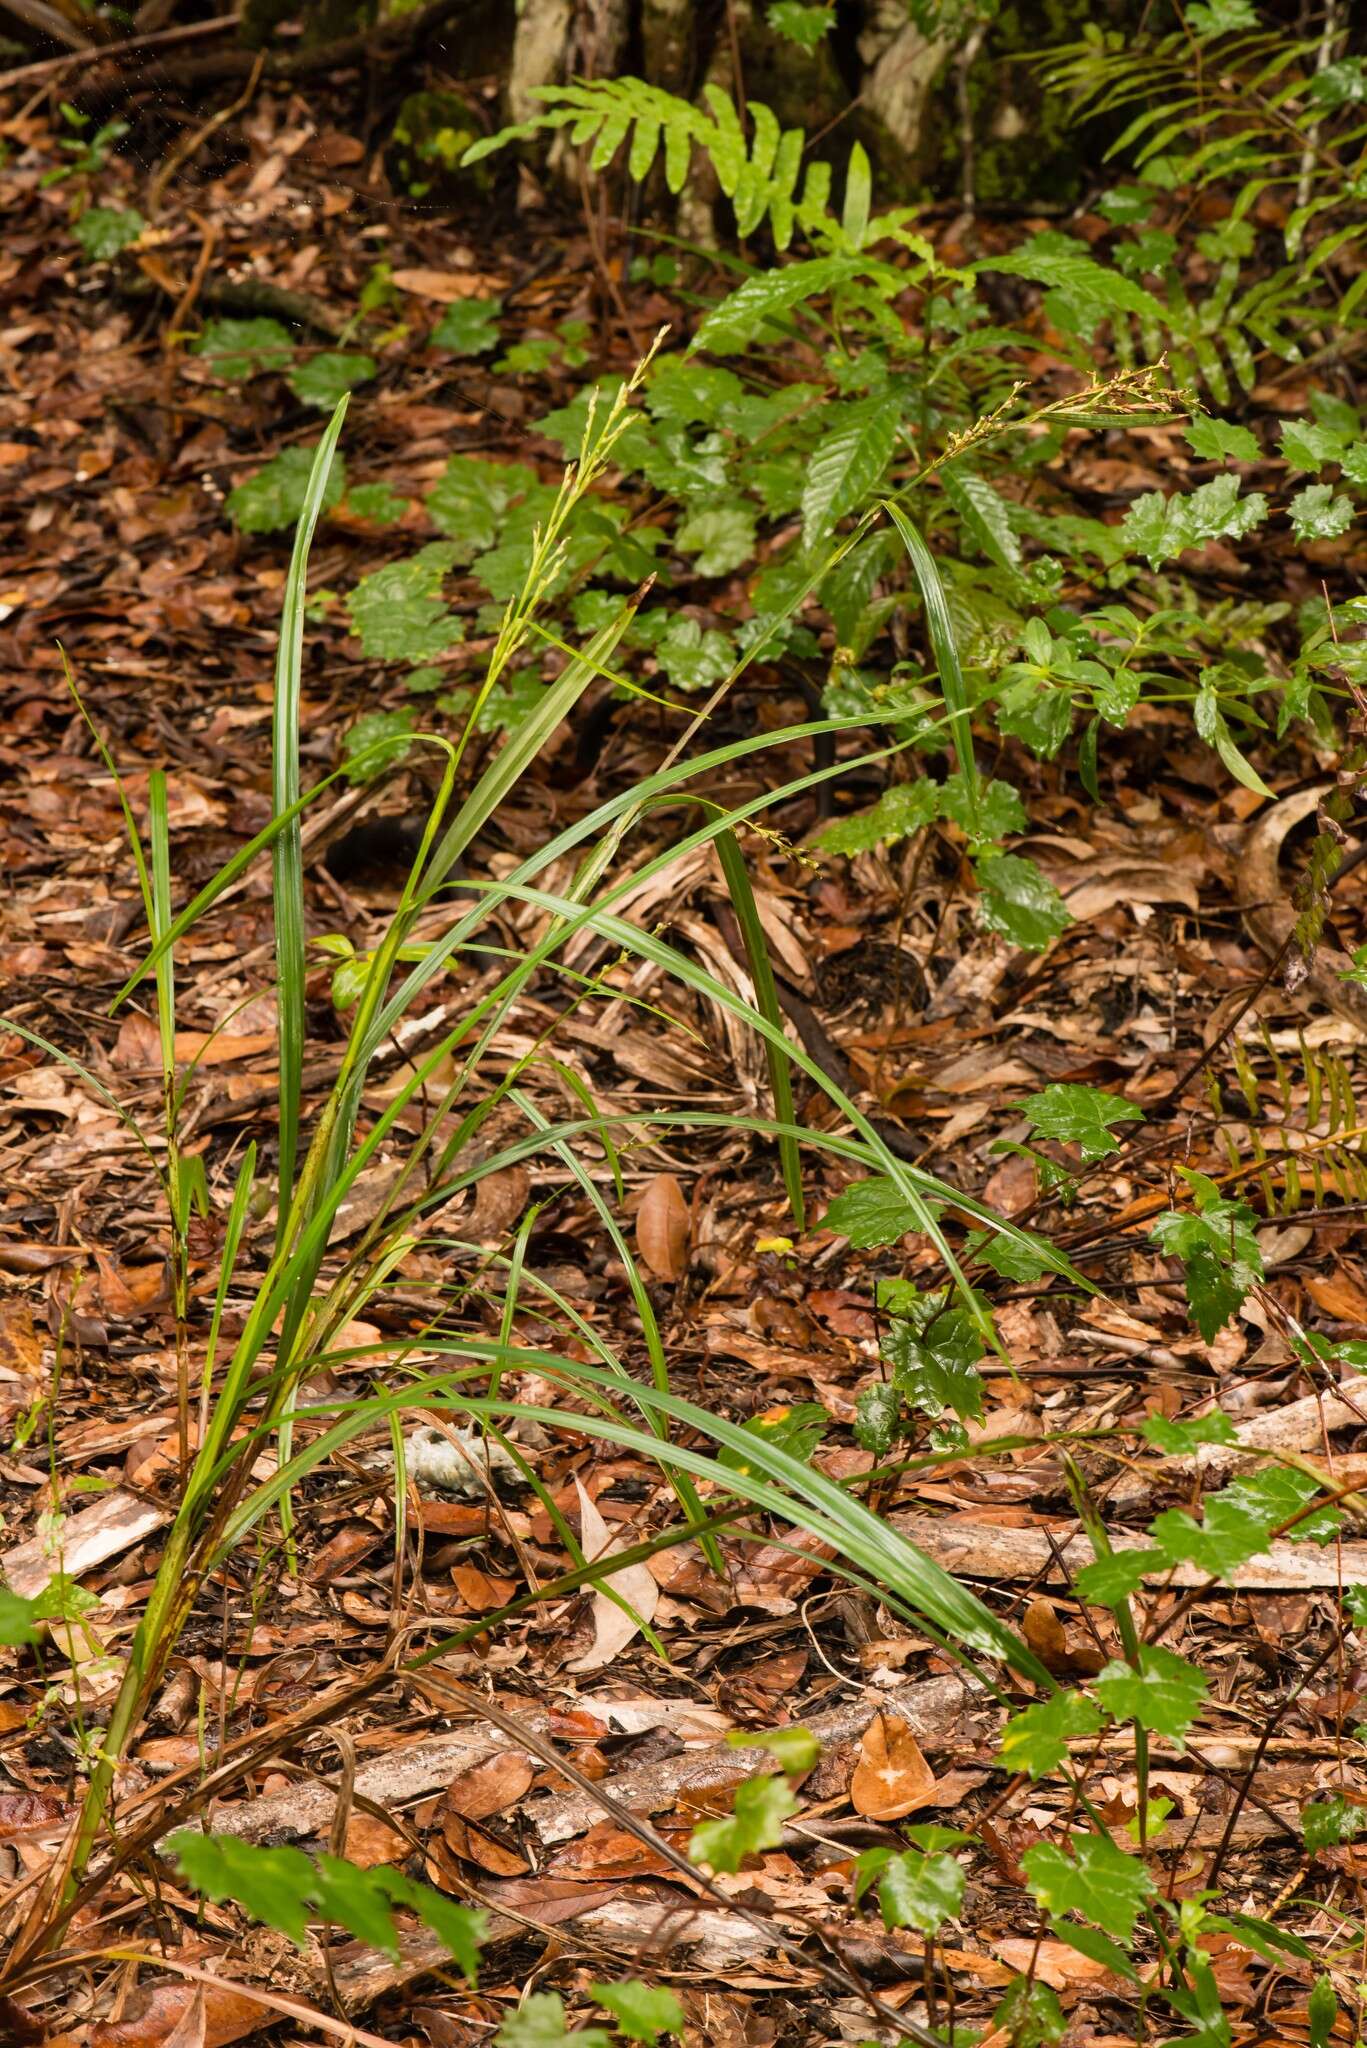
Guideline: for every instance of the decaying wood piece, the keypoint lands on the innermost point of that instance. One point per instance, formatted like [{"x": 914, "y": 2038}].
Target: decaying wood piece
[
  {"x": 931, "y": 1710},
  {"x": 104, "y": 1529},
  {"x": 1299, "y": 1426},
  {"x": 644, "y": 1921},
  {"x": 983, "y": 1550}
]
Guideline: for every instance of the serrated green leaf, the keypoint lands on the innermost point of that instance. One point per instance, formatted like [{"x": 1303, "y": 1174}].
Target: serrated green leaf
[
  {"x": 1036, "y": 1740},
  {"x": 1161, "y": 528},
  {"x": 800, "y": 24},
  {"x": 1328, "y": 1823},
  {"x": 539, "y": 2022},
  {"x": 694, "y": 659},
  {"x": 1237, "y": 1522},
  {"x": 1310, "y": 444},
  {"x": 275, "y": 1886},
  {"x": 1037, "y": 711},
  {"x": 734, "y": 324},
  {"x": 998, "y": 810},
  {"x": 762, "y": 1805},
  {"x": 642, "y": 2011},
  {"x": 16, "y": 1620},
  {"x": 905, "y": 808},
  {"x": 1078, "y": 1115},
  {"x": 1163, "y": 1694},
  {"x": 103, "y": 231},
  {"x": 935, "y": 1367},
  {"x": 1025, "y": 1263},
  {"x": 794, "y": 1749},
  {"x": 388, "y": 733},
  {"x": 274, "y": 498},
  {"x": 1109, "y": 1580},
  {"x": 920, "y": 1891},
  {"x": 398, "y": 612},
  {"x": 984, "y": 514},
  {"x": 1220, "y": 1258},
  {"x": 1221, "y": 441},
  {"x": 1029, "y": 2012},
  {"x": 237, "y": 349},
  {"x": 1179, "y": 1439},
  {"x": 470, "y": 500},
  {"x": 378, "y": 504},
  {"x": 1070, "y": 269},
  {"x": 1097, "y": 1881},
  {"x": 1016, "y": 900},
  {"x": 469, "y": 327},
  {"x": 722, "y": 538},
  {"x": 325, "y": 378},
  {"x": 870, "y": 1213},
  {"x": 877, "y": 1416},
  {"x": 1319, "y": 513}
]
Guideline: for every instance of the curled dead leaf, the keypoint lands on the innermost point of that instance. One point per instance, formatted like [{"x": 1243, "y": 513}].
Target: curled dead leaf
[
  {"x": 613, "y": 1627},
  {"x": 494, "y": 1785},
  {"x": 662, "y": 1228},
  {"x": 892, "y": 1776}
]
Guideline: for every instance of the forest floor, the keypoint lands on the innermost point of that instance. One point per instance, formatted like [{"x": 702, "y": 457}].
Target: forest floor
[{"x": 116, "y": 453}]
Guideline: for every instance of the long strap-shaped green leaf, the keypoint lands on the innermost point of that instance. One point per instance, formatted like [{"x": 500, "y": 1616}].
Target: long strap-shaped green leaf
[
  {"x": 287, "y": 850},
  {"x": 945, "y": 649},
  {"x": 766, "y": 1002}
]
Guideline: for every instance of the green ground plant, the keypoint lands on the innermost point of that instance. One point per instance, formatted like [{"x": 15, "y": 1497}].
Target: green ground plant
[{"x": 844, "y": 443}]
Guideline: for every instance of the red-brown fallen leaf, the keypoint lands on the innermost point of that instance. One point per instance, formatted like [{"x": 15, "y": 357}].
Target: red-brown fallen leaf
[
  {"x": 756, "y": 1694},
  {"x": 1339, "y": 1294},
  {"x": 608, "y": 1851},
  {"x": 446, "y": 286},
  {"x": 221, "y": 1049},
  {"x": 491, "y": 1786},
  {"x": 1057, "y": 1965},
  {"x": 500, "y": 1199},
  {"x": 1049, "y": 1640},
  {"x": 662, "y": 1228},
  {"x": 371, "y": 1842},
  {"x": 481, "y": 1591},
  {"x": 892, "y": 1776},
  {"x": 125, "y": 1293},
  {"x": 155, "y": 2011},
  {"x": 473, "y": 1844},
  {"x": 21, "y": 1351}
]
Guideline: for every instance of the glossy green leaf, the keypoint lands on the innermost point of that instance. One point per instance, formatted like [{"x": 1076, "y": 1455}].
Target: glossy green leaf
[
  {"x": 323, "y": 379},
  {"x": 1078, "y": 1115},
  {"x": 1094, "y": 1879},
  {"x": 1163, "y": 1694},
  {"x": 642, "y": 2011},
  {"x": 1036, "y": 1740},
  {"x": 761, "y": 1807},
  {"x": 1018, "y": 901},
  {"x": 1030, "y": 2014},
  {"x": 274, "y": 497},
  {"x": 469, "y": 327}
]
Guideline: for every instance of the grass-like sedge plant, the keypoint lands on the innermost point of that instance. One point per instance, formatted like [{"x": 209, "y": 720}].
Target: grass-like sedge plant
[{"x": 297, "y": 1314}]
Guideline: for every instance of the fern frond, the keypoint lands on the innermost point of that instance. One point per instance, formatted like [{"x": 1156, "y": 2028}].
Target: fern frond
[{"x": 759, "y": 175}]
